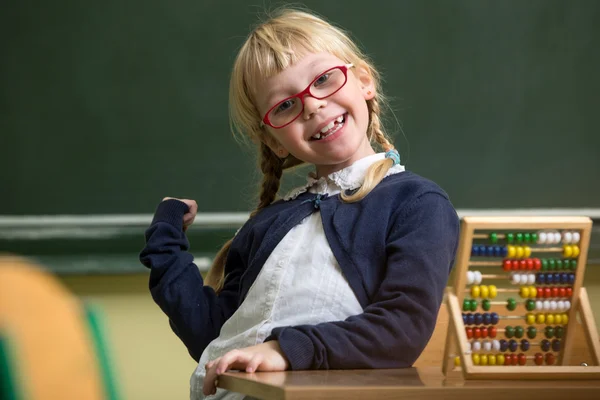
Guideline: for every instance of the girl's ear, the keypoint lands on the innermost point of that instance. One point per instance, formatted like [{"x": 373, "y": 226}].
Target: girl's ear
[
  {"x": 275, "y": 146},
  {"x": 367, "y": 84}
]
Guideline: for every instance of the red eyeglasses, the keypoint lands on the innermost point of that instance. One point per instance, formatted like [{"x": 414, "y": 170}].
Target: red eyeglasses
[{"x": 326, "y": 84}]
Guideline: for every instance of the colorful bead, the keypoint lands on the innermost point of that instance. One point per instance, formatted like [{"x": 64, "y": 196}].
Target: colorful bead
[
  {"x": 475, "y": 291},
  {"x": 522, "y": 359},
  {"x": 504, "y": 345},
  {"x": 486, "y": 305},
  {"x": 477, "y": 333},
  {"x": 549, "y": 332},
  {"x": 575, "y": 251},
  {"x": 506, "y": 265},
  {"x": 527, "y": 251},
  {"x": 519, "y": 332},
  {"x": 524, "y": 291},
  {"x": 511, "y": 251},
  {"x": 539, "y": 359},
  {"x": 493, "y": 237},
  {"x": 493, "y": 291},
  {"x": 524, "y": 344},
  {"x": 469, "y": 332},
  {"x": 483, "y": 359},
  {"x": 559, "y": 332},
  {"x": 550, "y": 319},
  {"x": 491, "y": 359},
  {"x": 513, "y": 345},
  {"x": 511, "y": 304},
  {"x": 492, "y": 331},
  {"x": 457, "y": 361},
  {"x": 556, "y": 345},
  {"x": 484, "y": 291},
  {"x": 550, "y": 358},
  {"x": 540, "y": 318},
  {"x": 509, "y": 331},
  {"x": 510, "y": 237},
  {"x": 530, "y": 319},
  {"x": 531, "y": 332},
  {"x": 500, "y": 359},
  {"x": 545, "y": 345},
  {"x": 530, "y": 305},
  {"x": 466, "y": 305},
  {"x": 475, "y": 358}
]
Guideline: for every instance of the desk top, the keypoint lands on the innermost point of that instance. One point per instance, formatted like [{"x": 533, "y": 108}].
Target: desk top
[{"x": 406, "y": 384}]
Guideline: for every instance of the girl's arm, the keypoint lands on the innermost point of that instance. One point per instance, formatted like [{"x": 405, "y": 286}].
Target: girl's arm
[
  {"x": 395, "y": 328},
  {"x": 196, "y": 313}
]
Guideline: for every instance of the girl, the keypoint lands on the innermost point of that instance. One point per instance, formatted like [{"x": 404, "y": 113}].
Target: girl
[{"x": 345, "y": 272}]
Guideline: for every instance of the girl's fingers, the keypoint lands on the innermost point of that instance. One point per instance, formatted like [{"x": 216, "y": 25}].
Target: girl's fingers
[
  {"x": 233, "y": 359},
  {"x": 254, "y": 362}
]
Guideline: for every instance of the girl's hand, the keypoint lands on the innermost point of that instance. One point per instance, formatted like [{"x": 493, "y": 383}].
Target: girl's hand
[
  {"x": 188, "y": 217},
  {"x": 262, "y": 357}
]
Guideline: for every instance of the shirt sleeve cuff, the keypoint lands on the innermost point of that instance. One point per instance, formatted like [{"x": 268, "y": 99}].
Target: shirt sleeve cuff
[
  {"x": 296, "y": 346},
  {"x": 171, "y": 211}
]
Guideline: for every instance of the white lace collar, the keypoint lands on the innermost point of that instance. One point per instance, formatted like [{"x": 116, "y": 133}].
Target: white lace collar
[{"x": 349, "y": 178}]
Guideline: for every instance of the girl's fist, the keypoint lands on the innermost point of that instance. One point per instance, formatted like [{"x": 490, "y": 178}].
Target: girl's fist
[{"x": 188, "y": 217}]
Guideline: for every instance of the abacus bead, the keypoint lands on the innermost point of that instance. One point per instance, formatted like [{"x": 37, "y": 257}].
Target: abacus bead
[
  {"x": 547, "y": 292},
  {"x": 506, "y": 359},
  {"x": 503, "y": 251},
  {"x": 492, "y": 331},
  {"x": 554, "y": 291},
  {"x": 558, "y": 277},
  {"x": 557, "y": 237},
  {"x": 470, "y": 277},
  {"x": 469, "y": 346},
  {"x": 567, "y": 304},
  {"x": 487, "y": 319},
  {"x": 494, "y": 318},
  {"x": 539, "y": 292},
  {"x": 530, "y": 305},
  {"x": 542, "y": 237},
  {"x": 527, "y": 251},
  {"x": 478, "y": 319},
  {"x": 493, "y": 237},
  {"x": 491, "y": 359},
  {"x": 549, "y": 279},
  {"x": 477, "y": 333},
  {"x": 559, "y": 331},
  {"x": 550, "y": 319},
  {"x": 514, "y": 265},
  {"x": 527, "y": 237},
  {"x": 477, "y": 277},
  {"x": 511, "y": 304},
  {"x": 500, "y": 359},
  {"x": 473, "y": 305},
  {"x": 576, "y": 237},
  {"x": 550, "y": 358},
  {"x": 539, "y": 359},
  {"x": 464, "y": 317},
  {"x": 511, "y": 251},
  {"x": 509, "y": 331},
  {"x": 519, "y": 237},
  {"x": 567, "y": 237},
  {"x": 534, "y": 237},
  {"x": 475, "y": 250},
  {"x": 531, "y": 279},
  {"x": 498, "y": 251},
  {"x": 573, "y": 265},
  {"x": 545, "y": 264},
  {"x": 484, "y": 291},
  {"x": 558, "y": 319},
  {"x": 503, "y": 345},
  {"x": 529, "y": 263},
  {"x": 524, "y": 291},
  {"x": 569, "y": 291},
  {"x": 571, "y": 278},
  {"x": 475, "y": 358},
  {"x": 487, "y": 345},
  {"x": 545, "y": 344},
  {"x": 496, "y": 345},
  {"x": 484, "y": 332},
  {"x": 506, "y": 265},
  {"x": 483, "y": 359},
  {"x": 515, "y": 279},
  {"x": 513, "y": 345},
  {"x": 565, "y": 319},
  {"x": 556, "y": 345},
  {"x": 575, "y": 251},
  {"x": 476, "y": 346},
  {"x": 524, "y": 344},
  {"x": 522, "y": 359},
  {"x": 540, "y": 279},
  {"x": 493, "y": 291},
  {"x": 539, "y": 305},
  {"x": 466, "y": 305},
  {"x": 486, "y": 305},
  {"x": 510, "y": 237},
  {"x": 537, "y": 264},
  {"x": 551, "y": 264},
  {"x": 549, "y": 332},
  {"x": 470, "y": 320},
  {"x": 520, "y": 251},
  {"x": 562, "y": 292},
  {"x": 531, "y": 332},
  {"x": 469, "y": 332},
  {"x": 567, "y": 251},
  {"x": 513, "y": 359},
  {"x": 532, "y": 291},
  {"x": 530, "y": 319},
  {"x": 559, "y": 264},
  {"x": 560, "y": 305},
  {"x": 519, "y": 332},
  {"x": 540, "y": 318},
  {"x": 457, "y": 361},
  {"x": 475, "y": 291}
]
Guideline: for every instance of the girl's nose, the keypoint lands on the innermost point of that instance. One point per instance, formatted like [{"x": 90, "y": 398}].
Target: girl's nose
[{"x": 312, "y": 106}]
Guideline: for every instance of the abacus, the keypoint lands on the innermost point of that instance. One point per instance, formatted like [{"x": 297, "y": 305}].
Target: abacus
[{"x": 494, "y": 329}]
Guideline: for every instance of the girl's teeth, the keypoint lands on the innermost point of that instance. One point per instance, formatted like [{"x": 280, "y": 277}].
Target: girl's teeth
[{"x": 328, "y": 127}]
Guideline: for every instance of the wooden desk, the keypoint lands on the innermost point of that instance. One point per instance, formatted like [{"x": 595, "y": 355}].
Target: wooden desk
[{"x": 405, "y": 384}]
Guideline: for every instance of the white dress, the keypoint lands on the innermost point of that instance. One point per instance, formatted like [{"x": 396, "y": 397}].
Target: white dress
[{"x": 300, "y": 283}]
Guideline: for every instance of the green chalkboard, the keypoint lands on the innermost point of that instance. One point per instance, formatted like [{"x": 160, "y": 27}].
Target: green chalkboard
[{"x": 106, "y": 107}]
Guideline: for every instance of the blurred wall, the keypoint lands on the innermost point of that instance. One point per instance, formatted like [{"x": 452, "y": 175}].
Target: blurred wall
[{"x": 150, "y": 361}]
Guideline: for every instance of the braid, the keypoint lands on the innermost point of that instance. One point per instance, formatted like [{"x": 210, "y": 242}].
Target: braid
[
  {"x": 377, "y": 171},
  {"x": 272, "y": 168}
]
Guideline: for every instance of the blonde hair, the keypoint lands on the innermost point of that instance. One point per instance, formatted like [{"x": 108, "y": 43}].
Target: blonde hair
[{"x": 268, "y": 50}]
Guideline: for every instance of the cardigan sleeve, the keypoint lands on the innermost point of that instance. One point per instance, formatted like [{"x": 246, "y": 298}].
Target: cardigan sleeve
[
  {"x": 394, "y": 329},
  {"x": 196, "y": 313}
]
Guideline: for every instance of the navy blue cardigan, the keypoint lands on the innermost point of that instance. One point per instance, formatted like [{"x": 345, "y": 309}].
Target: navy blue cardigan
[{"x": 396, "y": 248}]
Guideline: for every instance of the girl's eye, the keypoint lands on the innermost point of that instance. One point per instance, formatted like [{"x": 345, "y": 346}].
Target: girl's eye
[
  {"x": 284, "y": 106},
  {"x": 322, "y": 79}
]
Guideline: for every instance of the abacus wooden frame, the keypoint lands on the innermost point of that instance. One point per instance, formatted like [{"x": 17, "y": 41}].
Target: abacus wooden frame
[{"x": 457, "y": 338}]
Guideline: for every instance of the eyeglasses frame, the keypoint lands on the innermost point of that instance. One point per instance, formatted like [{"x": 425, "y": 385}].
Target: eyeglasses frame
[{"x": 344, "y": 68}]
